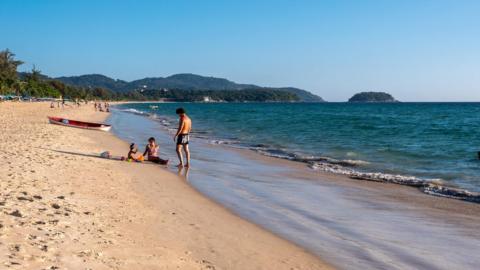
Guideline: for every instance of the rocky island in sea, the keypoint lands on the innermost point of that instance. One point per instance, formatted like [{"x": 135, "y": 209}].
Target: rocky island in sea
[{"x": 372, "y": 97}]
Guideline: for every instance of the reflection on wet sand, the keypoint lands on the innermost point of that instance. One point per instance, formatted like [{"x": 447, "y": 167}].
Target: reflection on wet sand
[{"x": 183, "y": 172}]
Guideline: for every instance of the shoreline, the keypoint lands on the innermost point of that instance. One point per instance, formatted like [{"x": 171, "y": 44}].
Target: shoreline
[
  {"x": 349, "y": 168},
  {"x": 83, "y": 211},
  {"x": 383, "y": 203}
]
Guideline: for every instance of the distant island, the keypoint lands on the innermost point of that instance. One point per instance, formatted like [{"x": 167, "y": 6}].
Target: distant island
[
  {"x": 178, "y": 87},
  {"x": 378, "y": 97}
]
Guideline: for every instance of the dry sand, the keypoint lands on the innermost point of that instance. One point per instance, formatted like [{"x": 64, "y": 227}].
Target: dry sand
[{"x": 64, "y": 208}]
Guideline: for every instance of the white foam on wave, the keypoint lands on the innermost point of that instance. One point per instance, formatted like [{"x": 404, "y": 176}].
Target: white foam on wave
[
  {"x": 331, "y": 168},
  {"x": 429, "y": 186},
  {"x": 135, "y": 111},
  {"x": 225, "y": 142},
  {"x": 356, "y": 162},
  {"x": 450, "y": 192},
  {"x": 165, "y": 122}
]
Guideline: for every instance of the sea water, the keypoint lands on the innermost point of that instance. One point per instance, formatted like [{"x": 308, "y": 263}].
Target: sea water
[
  {"x": 420, "y": 141},
  {"x": 342, "y": 225}
]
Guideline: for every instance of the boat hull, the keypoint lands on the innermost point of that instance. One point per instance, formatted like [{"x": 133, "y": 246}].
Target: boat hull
[{"x": 78, "y": 124}]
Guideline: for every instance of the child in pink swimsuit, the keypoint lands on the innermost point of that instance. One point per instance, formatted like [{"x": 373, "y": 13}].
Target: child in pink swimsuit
[{"x": 151, "y": 151}]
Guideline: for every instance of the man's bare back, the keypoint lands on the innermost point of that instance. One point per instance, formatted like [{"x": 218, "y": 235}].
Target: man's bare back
[{"x": 185, "y": 125}]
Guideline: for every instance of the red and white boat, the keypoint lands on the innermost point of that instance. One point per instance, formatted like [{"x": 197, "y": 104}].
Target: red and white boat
[{"x": 78, "y": 124}]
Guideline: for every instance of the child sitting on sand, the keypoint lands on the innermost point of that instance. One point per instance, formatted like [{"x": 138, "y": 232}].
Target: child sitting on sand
[
  {"x": 132, "y": 154},
  {"x": 152, "y": 150}
]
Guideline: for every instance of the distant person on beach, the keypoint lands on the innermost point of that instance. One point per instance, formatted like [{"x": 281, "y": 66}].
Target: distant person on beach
[
  {"x": 152, "y": 152},
  {"x": 182, "y": 136},
  {"x": 95, "y": 105}
]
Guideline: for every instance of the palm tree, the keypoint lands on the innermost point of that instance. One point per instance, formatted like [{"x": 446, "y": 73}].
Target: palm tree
[{"x": 8, "y": 68}]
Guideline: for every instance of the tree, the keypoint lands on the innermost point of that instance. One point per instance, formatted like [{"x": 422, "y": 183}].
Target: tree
[
  {"x": 18, "y": 86},
  {"x": 8, "y": 69}
]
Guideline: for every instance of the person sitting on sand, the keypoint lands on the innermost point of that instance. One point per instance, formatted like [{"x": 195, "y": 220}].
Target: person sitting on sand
[
  {"x": 133, "y": 155},
  {"x": 182, "y": 136},
  {"x": 152, "y": 150}
]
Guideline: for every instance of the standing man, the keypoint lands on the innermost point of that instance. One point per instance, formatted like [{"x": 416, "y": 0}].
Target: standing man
[{"x": 182, "y": 138}]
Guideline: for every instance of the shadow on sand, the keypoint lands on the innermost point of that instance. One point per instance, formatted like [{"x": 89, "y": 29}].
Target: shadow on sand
[
  {"x": 82, "y": 154},
  {"x": 117, "y": 158}
]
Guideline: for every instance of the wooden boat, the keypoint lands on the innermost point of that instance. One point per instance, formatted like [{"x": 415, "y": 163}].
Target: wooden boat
[{"x": 78, "y": 124}]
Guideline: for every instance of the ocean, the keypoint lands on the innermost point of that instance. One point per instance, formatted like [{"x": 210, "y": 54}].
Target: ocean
[
  {"x": 399, "y": 142},
  {"x": 426, "y": 145}
]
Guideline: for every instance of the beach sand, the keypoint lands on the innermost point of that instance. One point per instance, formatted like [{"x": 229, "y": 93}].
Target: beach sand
[{"x": 62, "y": 207}]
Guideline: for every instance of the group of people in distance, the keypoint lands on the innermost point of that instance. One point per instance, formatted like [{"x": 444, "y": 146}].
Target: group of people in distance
[
  {"x": 181, "y": 138},
  {"x": 98, "y": 106},
  {"x": 62, "y": 102}
]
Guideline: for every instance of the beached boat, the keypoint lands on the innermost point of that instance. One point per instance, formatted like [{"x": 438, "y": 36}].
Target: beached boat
[{"x": 78, "y": 124}]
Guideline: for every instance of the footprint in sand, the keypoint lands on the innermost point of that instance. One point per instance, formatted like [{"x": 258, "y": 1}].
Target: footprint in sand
[{"x": 16, "y": 213}]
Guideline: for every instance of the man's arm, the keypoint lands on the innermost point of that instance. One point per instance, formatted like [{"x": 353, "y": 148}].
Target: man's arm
[{"x": 146, "y": 151}]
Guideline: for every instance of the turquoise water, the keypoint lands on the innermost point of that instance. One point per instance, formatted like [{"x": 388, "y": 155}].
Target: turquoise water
[
  {"x": 425, "y": 140},
  {"x": 349, "y": 225}
]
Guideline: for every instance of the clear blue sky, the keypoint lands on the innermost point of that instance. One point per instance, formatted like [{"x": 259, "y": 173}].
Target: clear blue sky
[{"x": 416, "y": 50}]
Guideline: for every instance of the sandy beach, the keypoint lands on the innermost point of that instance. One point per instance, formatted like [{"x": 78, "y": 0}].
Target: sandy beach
[{"x": 63, "y": 207}]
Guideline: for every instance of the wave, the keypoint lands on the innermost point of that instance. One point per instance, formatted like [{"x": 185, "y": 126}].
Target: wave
[
  {"x": 280, "y": 153},
  {"x": 164, "y": 121},
  {"x": 348, "y": 167},
  {"x": 225, "y": 142},
  {"x": 134, "y": 111},
  {"x": 434, "y": 187}
]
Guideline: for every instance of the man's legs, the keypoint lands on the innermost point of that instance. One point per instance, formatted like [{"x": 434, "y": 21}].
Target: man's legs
[
  {"x": 187, "y": 154},
  {"x": 179, "y": 154}
]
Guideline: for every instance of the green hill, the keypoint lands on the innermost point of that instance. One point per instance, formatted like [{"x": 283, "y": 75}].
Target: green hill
[{"x": 178, "y": 81}]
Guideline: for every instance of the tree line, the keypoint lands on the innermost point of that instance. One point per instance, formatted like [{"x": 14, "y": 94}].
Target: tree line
[{"x": 34, "y": 84}]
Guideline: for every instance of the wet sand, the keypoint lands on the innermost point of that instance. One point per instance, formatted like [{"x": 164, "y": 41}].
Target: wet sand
[{"x": 62, "y": 207}]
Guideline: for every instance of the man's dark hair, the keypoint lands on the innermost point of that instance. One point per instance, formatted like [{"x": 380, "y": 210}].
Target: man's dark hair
[
  {"x": 151, "y": 139},
  {"x": 180, "y": 111}
]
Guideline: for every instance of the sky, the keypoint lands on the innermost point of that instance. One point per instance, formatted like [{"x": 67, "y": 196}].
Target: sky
[{"x": 416, "y": 50}]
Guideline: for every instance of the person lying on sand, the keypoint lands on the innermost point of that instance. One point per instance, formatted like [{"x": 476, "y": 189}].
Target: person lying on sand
[
  {"x": 151, "y": 150},
  {"x": 182, "y": 136},
  {"x": 133, "y": 154}
]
